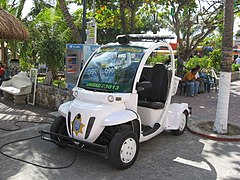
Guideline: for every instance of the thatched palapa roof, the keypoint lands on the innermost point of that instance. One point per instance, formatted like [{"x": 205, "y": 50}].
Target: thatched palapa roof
[{"x": 11, "y": 27}]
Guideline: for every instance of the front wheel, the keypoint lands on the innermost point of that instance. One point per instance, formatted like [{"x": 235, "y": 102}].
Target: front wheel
[
  {"x": 58, "y": 126},
  {"x": 123, "y": 149},
  {"x": 183, "y": 124}
]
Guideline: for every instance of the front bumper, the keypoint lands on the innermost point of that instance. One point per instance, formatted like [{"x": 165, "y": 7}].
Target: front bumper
[{"x": 78, "y": 144}]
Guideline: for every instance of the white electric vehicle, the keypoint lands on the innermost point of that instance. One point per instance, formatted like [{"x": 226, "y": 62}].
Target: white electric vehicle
[{"x": 120, "y": 101}]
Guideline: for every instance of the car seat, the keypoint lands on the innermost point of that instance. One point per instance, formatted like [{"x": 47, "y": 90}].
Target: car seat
[{"x": 156, "y": 96}]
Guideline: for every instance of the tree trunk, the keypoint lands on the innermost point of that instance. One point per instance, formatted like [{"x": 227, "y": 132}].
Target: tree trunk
[
  {"x": 133, "y": 8},
  {"x": 83, "y": 31},
  {"x": 122, "y": 16},
  {"x": 75, "y": 33},
  {"x": 132, "y": 22},
  {"x": 221, "y": 120}
]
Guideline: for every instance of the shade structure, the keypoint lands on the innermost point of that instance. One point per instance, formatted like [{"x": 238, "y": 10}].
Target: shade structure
[{"x": 11, "y": 27}]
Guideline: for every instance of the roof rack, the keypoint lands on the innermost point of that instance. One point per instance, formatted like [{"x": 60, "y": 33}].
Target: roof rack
[{"x": 126, "y": 38}]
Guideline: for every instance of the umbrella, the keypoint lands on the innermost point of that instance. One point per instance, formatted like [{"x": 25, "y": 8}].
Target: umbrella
[{"x": 11, "y": 27}]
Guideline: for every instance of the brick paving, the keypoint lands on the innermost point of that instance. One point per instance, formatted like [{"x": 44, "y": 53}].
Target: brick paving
[{"x": 204, "y": 106}]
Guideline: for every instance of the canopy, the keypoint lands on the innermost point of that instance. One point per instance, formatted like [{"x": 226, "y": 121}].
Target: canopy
[{"x": 11, "y": 27}]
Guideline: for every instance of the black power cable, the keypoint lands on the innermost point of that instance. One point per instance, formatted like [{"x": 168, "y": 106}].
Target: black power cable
[{"x": 29, "y": 138}]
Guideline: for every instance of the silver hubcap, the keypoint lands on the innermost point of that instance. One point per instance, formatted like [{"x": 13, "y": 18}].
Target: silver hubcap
[
  {"x": 183, "y": 122},
  {"x": 128, "y": 150}
]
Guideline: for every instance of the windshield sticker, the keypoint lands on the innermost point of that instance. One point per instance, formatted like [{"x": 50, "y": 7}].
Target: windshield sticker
[
  {"x": 109, "y": 49},
  {"x": 130, "y": 49},
  {"x": 105, "y": 86},
  {"x": 109, "y": 71},
  {"x": 122, "y": 49}
]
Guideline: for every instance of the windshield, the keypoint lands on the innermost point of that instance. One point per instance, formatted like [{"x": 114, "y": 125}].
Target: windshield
[{"x": 112, "y": 69}]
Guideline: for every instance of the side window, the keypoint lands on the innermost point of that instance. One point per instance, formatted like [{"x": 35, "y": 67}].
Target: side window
[{"x": 159, "y": 55}]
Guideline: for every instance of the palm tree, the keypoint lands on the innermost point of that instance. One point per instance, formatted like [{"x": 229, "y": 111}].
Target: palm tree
[
  {"x": 39, "y": 5},
  {"x": 20, "y": 8},
  {"x": 69, "y": 20},
  {"x": 11, "y": 7},
  {"x": 220, "y": 125}
]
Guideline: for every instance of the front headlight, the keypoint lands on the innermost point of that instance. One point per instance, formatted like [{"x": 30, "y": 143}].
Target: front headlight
[{"x": 110, "y": 98}]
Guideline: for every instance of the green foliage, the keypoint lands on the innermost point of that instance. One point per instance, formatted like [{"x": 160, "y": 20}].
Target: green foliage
[
  {"x": 157, "y": 59},
  {"x": 215, "y": 59},
  {"x": 25, "y": 65},
  {"x": 139, "y": 16},
  {"x": 235, "y": 67},
  {"x": 60, "y": 83},
  {"x": 206, "y": 62},
  {"x": 213, "y": 40},
  {"x": 48, "y": 35},
  {"x": 51, "y": 52},
  {"x": 40, "y": 79},
  {"x": 109, "y": 24},
  {"x": 203, "y": 62},
  {"x": 50, "y": 22},
  {"x": 56, "y": 82}
]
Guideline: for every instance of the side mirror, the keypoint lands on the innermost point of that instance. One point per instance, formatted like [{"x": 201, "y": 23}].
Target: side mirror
[{"x": 143, "y": 85}]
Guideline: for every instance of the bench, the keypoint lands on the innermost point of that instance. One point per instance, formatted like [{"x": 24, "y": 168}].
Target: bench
[
  {"x": 17, "y": 88},
  {"x": 183, "y": 88}
]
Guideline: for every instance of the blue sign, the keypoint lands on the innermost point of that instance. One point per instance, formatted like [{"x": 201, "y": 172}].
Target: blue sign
[{"x": 74, "y": 46}]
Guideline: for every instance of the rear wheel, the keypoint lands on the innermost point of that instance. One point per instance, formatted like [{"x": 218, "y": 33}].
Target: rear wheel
[
  {"x": 183, "y": 124},
  {"x": 58, "y": 126},
  {"x": 123, "y": 149}
]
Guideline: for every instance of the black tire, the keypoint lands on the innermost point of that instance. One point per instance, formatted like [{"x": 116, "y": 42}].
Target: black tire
[
  {"x": 58, "y": 126},
  {"x": 183, "y": 124},
  {"x": 124, "y": 143}
]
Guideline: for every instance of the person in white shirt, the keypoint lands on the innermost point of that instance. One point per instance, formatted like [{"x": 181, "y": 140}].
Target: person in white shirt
[
  {"x": 198, "y": 69},
  {"x": 201, "y": 88},
  {"x": 238, "y": 60}
]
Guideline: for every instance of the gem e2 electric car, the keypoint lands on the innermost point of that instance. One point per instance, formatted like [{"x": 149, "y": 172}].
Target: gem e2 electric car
[{"x": 120, "y": 101}]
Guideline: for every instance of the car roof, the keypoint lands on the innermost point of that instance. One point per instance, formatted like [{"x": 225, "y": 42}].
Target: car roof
[
  {"x": 144, "y": 44},
  {"x": 139, "y": 40}
]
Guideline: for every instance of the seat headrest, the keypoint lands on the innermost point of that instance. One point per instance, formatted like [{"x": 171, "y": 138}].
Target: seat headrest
[{"x": 159, "y": 67}]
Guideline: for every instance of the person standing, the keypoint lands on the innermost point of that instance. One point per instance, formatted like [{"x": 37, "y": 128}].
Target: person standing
[
  {"x": 180, "y": 66},
  {"x": 192, "y": 83},
  {"x": 238, "y": 60},
  {"x": 2, "y": 71},
  {"x": 199, "y": 78}
]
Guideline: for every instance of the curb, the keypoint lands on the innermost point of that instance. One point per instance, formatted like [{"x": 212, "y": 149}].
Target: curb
[{"x": 194, "y": 129}]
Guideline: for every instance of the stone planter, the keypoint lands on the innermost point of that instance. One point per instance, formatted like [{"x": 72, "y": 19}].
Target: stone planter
[
  {"x": 8, "y": 96},
  {"x": 235, "y": 76},
  {"x": 52, "y": 97},
  {"x": 20, "y": 99}
]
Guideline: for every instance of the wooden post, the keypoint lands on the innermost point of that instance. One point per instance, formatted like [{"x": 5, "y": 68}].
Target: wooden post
[{"x": 2, "y": 53}]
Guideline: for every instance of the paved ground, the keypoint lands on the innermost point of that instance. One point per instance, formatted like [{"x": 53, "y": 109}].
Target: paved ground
[
  {"x": 164, "y": 157},
  {"x": 204, "y": 106}
]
